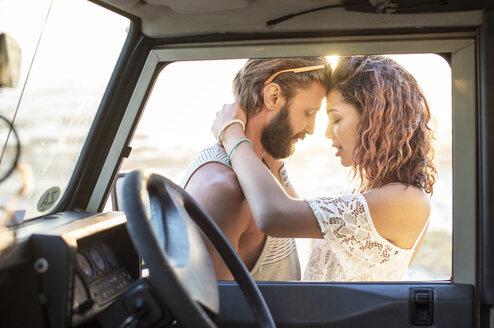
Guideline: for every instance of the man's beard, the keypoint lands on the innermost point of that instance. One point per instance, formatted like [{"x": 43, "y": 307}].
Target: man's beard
[{"x": 277, "y": 135}]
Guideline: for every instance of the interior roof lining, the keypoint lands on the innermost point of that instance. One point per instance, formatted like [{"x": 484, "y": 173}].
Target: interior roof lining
[{"x": 160, "y": 21}]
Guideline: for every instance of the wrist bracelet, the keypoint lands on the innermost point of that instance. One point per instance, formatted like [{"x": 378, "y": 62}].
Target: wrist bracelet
[
  {"x": 234, "y": 147},
  {"x": 227, "y": 124}
]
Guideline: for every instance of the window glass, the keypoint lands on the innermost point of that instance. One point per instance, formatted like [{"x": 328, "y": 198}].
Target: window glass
[
  {"x": 66, "y": 65},
  {"x": 176, "y": 125}
]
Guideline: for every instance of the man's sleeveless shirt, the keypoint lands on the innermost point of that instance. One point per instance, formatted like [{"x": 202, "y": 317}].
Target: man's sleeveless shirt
[{"x": 278, "y": 260}]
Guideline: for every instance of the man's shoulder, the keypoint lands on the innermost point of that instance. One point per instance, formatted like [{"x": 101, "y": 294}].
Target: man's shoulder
[
  {"x": 214, "y": 172},
  {"x": 217, "y": 178},
  {"x": 211, "y": 154},
  {"x": 215, "y": 187}
]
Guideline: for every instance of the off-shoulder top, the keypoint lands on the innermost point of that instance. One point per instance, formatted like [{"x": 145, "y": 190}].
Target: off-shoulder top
[{"x": 352, "y": 249}]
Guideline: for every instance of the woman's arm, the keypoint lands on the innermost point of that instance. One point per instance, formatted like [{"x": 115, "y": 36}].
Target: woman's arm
[{"x": 276, "y": 214}]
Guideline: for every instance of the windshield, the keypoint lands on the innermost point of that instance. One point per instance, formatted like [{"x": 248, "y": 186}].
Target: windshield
[{"x": 66, "y": 64}]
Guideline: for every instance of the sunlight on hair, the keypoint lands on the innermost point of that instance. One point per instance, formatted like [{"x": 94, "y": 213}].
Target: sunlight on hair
[
  {"x": 322, "y": 121},
  {"x": 333, "y": 60}
]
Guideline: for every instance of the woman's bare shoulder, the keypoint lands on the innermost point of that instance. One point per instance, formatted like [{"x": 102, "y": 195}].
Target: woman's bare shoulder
[{"x": 399, "y": 212}]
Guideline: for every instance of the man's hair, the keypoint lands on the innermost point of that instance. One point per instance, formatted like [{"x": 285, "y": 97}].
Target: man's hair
[
  {"x": 248, "y": 84},
  {"x": 394, "y": 138}
]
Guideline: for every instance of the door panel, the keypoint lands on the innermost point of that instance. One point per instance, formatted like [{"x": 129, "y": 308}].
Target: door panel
[{"x": 348, "y": 305}]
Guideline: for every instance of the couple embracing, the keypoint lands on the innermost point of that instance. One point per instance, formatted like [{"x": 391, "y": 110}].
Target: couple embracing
[{"x": 378, "y": 122}]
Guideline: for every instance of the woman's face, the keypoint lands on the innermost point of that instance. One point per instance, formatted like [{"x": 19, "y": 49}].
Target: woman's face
[{"x": 342, "y": 126}]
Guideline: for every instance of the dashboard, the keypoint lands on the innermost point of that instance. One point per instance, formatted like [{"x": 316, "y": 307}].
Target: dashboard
[
  {"x": 100, "y": 275},
  {"x": 68, "y": 269}
]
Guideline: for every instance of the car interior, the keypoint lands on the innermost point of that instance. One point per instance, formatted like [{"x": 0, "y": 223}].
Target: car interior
[{"x": 103, "y": 103}]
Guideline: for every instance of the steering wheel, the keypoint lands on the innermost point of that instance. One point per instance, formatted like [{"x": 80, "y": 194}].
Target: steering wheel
[{"x": 160, "y": 221}]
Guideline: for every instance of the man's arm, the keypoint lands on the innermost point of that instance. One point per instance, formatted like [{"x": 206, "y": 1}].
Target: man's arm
[{"x": 215, "y": 187}]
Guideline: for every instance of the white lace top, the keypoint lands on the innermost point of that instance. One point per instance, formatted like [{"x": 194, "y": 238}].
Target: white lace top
[{"x": 352, "y": 249}]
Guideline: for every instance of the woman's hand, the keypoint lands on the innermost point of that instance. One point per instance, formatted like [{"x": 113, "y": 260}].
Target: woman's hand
[{"x": 228, "y": 113}]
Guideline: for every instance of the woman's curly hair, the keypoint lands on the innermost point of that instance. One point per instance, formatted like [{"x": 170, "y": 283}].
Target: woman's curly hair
[{"x": 394, "y": 138}]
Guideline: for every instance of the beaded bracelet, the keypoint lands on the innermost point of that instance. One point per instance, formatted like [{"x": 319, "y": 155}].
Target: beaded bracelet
[
  {"x": 227, "y": 124},
  {"x": 234, "y": 147}
]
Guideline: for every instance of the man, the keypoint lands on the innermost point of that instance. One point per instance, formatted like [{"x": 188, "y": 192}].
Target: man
[{"x": 281, "y": 97}]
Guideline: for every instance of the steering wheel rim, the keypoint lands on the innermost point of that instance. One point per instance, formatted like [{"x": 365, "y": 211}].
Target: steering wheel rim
[{"x": 171, "y": 291}]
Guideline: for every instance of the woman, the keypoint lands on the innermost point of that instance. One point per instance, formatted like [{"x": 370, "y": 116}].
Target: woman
[{"x": 379, "y": 124}]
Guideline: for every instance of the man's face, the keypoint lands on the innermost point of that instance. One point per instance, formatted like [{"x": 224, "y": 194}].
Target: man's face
[{"x": 293, "y": 121}]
